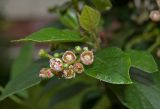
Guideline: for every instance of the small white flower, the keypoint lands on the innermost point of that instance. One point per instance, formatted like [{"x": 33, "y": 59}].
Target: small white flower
[
  {"x": 69, "y": 73},
  {"x": 78, "y": 68},
  {"x": 87, "y": 57},
  {"x": 56, "y": 64},
  {"x": 69, "y": 57},
  {"x": 45, "y": 73}
]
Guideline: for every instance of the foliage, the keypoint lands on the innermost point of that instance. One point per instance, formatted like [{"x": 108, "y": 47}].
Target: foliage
[{"x": 124, "y": 71}]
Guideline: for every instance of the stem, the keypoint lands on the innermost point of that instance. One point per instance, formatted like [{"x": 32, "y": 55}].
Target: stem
[
  {"x": 144, "y": 37},
  {"x": 132, "y": 42},
  {"x": 158, "y": 3},
  {"x": 76, "y": 8},
  {"x": 95, "y": 37},
  {"x": 96, "y": 40},
  {"x": 152, "y": 47},
  {"x": 49, "y": 56},
  {"x": 75, "y": 4}
]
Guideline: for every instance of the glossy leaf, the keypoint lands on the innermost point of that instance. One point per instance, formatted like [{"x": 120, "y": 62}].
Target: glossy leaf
[
  {"x": 23, "y": 60},
  {"x": 143, "y": 94},
  {"x": 89, "y": 18},
  {"x": 24, "y": 80},
  {"x": 140, "y": 96},
  {"x": 143, "y": 60},
  {"x": 111, "y": 65},
  {"x": 53, "y": 35},
  {"x": 102, "y": 5}
]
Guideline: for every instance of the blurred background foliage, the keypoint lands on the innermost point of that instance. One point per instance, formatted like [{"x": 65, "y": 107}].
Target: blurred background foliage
[{"x": 126, "y": 25}]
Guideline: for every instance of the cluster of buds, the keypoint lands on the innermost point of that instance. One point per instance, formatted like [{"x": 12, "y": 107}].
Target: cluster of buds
[{"x": 67, "y": 64}]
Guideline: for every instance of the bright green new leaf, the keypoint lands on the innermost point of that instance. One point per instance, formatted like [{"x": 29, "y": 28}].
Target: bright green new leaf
[
  {"x": 54, "y": 35},
  {"x": 69, "y": 20},
  {"x": 143, "y": 60},
  {"x": 24, "y": 80},
  {"x": 89, "y": 18},
  {"x": 111, "y": 65},
  {"x": 23, "y": 60},
  {"x": 102, "y": 5}
]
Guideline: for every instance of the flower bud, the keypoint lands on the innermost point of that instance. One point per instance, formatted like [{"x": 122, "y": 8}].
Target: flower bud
[
  {"x": 65, "y": 65},
  {"x": 56, "y": 55},
  {"x": 56, "y": 64},
  {"x": 78, "y": 49},
  {"x": 69, "y": 57},
  {"x": 69, "y": 73},
  {"x": 155, "y": 15},
  {"x": 87, "y": 57},
  {"x": 78, "y": 68},
  {"x": 42, "y": 53},
  {"x": 45, "y": 73},
  {"x": 85, "y": 48}
]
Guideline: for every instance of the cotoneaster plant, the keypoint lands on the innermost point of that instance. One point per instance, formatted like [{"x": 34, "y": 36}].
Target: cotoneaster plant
[
  {"x": 78, "y": 50},
  {"x": 67, "y": 64}
]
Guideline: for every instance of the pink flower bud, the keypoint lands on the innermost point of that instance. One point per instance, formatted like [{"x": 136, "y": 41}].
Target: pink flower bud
[
  {"x": 45, "y": 73},
  {"x": 56, "y": 64},
  {"x": 69, "y": 73},
  {"x": 78, "y": 67},
  {"x": 87, "y": 57},
  {"x": 155, "y": 15},
  {"x": 69, "y": 57}
]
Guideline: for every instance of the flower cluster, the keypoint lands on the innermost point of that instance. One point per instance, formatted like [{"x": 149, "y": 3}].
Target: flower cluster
[{"x": 68, "y": 64}]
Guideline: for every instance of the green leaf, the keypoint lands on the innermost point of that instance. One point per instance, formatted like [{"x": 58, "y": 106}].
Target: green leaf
[
  {"x": 24, "y": 80},
  {"x": 157, "y": 78},
  {"x": 143, "y": 94},
  {"x": 89, "y": 18},
  {"x": 143, "y": 60},
  {"x": 75, "y": 101},
  {"x": 67, "y": 93},
  {"x": 102, "y": 5},
  {"x": 69, "y": 20},
  {"x": 103, "y": 103},
  {"x": 23, "y": 60},
  {"x": 140, "y": 96},
  {"x": 53, "y": 35},
  {"x": 21, "y": 63},
  {"x": 111, "y": 65}
]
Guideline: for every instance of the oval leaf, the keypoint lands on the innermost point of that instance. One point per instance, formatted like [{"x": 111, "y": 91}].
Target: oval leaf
[
  {"x": 53, "y": 35},
  {"x": 143, "y": 61},
  {"x": 102, "y": 5},
  {"x": 69, "y": 20},
  {"x": 111, "y": 65},
  {"x": 89, "y": 18},
  {"x": 140, "y": 96},
  {"x": 24, "y": 80},
  {"x": 21, "y": 63},
  {"x": 23, "y": 60}
]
